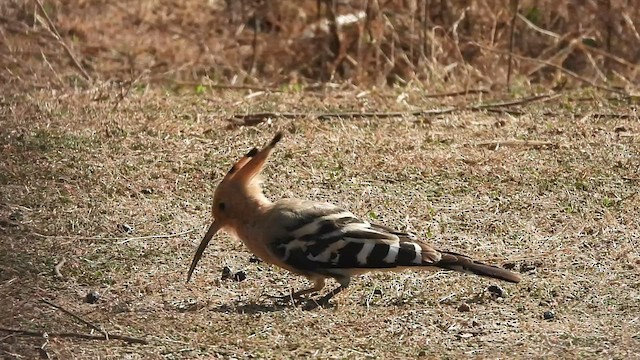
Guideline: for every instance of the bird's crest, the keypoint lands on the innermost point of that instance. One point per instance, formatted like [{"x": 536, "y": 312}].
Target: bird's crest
[{"x": 249, "y": 166}]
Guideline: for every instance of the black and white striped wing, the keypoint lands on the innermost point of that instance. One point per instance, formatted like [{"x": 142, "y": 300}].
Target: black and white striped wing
[{"x": 337, "y": 239}]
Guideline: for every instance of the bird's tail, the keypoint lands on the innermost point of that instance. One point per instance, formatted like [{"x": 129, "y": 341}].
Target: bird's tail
[{"x": 457, "y": 262}]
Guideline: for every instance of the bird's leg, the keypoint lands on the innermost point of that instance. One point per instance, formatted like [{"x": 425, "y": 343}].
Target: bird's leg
[
  {"x": 324, "y": 301},
  {"x": 318, "y": 284}
]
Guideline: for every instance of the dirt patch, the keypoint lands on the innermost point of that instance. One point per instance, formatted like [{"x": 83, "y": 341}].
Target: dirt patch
[{"x": 76, "y": 171}]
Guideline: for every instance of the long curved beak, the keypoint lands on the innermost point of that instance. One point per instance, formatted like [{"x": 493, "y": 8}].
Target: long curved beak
[{"x": 213, "y": 229}]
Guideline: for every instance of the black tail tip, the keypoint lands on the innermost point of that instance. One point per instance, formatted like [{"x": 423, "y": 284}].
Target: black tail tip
[{"x": 276, "y": 139}]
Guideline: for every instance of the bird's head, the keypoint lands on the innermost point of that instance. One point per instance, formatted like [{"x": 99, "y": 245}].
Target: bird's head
[{"x": 236, "y": 194}]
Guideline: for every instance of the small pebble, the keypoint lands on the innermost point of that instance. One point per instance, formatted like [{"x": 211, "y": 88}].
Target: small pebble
[
  {"x": 549, "y": 315},
  {"x": 496, "y": 290},
  {"x": 92, "y": 297},
  {"x": 255, "y": 259},
  {"x": 509, "y": 266},
  {"x": 226, "y": 273},
  {"x": 529, "y": 266},
  {"x": 500, "y": 123},
  {"x": 240, "y": 276},
  {"x": 125, "y": 228},
  {"x": 464, "y": 307},
  {"x": 147, "y": 191},
  {"x": 377, "y": 292}
]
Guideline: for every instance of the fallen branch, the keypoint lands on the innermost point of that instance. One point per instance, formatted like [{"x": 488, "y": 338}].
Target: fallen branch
[
  {"x": 21, "y": 332},
  {"x": 497, "y": 107},
  {"x": 77, "y": 317},
  {"x": 257, "y": 118}
]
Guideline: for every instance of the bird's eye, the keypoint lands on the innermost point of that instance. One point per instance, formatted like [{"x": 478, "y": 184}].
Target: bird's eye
[{"x": 221, "y": 206}]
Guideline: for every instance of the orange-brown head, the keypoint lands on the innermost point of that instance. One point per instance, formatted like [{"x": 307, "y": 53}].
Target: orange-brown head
[{"x": 237, "y": 195}]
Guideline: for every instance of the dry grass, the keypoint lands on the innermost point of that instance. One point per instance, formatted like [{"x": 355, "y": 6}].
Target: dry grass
[
  {"x": 443, "y": 44},
  {"x": 550, "y": 190},
  {"x": 75, "y": 168}
]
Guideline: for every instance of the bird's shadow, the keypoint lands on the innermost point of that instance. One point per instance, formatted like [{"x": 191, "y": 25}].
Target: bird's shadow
[
  {"x": 254, "y": 307},
  {"x": 249, "y": 308}
]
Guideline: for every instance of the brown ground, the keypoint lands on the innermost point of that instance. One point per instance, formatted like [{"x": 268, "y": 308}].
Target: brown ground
[{"x": 81, "y": 162}]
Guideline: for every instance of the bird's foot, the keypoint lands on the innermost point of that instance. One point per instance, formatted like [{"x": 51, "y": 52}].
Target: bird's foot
[
  {"x": 287, "y": 298},
  {"x": 322, "y": 302}
]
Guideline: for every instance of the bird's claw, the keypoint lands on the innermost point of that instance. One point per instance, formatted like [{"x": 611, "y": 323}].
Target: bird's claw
[
  {"x": 322, "y": 302},
  {"x": 284, "y": 298}
]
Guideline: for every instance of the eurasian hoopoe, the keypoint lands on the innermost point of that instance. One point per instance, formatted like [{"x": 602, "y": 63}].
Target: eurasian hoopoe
[{"x": 318, "y": 240}]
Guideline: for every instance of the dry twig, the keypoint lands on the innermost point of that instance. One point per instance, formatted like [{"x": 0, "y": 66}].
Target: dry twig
[
  {"x": 104, "y": 336},
  {"x": 56, "y": 35},
  {"x": 537, "y": 28},
  {"x": 20, "y": 332},
  {"x": 77, "y": 317}
]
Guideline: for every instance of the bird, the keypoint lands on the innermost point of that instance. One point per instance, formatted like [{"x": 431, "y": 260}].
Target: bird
[{"x": 319, "y": 240}]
